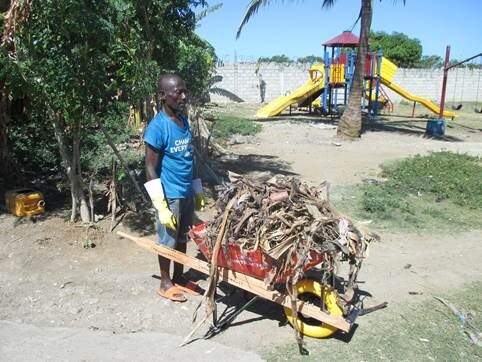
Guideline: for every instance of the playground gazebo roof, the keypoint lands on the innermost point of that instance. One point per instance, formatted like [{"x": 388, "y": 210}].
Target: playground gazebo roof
[{"x": 346, "y": 39}]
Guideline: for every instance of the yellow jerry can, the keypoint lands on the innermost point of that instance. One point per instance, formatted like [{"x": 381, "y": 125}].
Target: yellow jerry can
[{"x": 25, "y": 202}]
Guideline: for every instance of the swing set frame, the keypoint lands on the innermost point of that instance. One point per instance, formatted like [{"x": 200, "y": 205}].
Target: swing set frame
[{"x": 446, "y": 70}]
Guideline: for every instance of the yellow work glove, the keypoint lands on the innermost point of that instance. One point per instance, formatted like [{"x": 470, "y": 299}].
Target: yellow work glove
[
  {"x": 155, "y": 191},
  {"x": 199, "y": 199}
]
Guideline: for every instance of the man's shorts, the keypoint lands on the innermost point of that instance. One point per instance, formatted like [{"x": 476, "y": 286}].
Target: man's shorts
[{"x": 183, "y": 211}]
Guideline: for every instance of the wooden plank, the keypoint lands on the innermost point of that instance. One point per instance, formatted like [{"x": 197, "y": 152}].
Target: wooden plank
[{"x": 240, "y": 280}]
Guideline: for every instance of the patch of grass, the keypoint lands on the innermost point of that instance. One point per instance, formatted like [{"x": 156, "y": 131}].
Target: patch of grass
[
  {"x": 226, "y": 126},
  {"x": 441, "y": 190},
  {"x": 381, "y": 202},
  {"x": 422, "y": 213},
  {"x": 428, "y": 331},
  {"x": 446, "y": 175}
]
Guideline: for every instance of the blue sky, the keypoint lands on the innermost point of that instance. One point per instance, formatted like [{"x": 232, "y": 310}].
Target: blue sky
[{"x": 297, "y": 28}]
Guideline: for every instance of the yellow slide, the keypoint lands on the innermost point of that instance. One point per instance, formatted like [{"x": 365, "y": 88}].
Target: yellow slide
[
  {"x": 387, "y": 73},
  {"x": 313, "y": 85},
  {"x": 374, "y": 95}
]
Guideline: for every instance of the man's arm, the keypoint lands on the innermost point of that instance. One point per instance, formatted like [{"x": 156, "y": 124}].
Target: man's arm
[
  {"x": 153, "y": 158},
  {"x": 154, "y": 188}
]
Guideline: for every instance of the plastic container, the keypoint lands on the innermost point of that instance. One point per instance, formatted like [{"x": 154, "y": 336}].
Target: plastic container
[
  {"x": 25, "y": 202},
  {"x": 435, "y": 128}
]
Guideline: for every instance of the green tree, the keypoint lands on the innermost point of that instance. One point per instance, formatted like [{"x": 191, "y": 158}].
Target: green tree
[
  {"x": 310, "y": 59},
  {"x": 350, "y": 123},
  {"x": 12, "y": 14},
  {"x": 75, "y": 59},
  {"x": 397, "y": 47},
  {"x": 196, "y": 63},
  {"x": 430, "y": 61},
  {"x": 74, "y": 56},
  {"x": 275, "y": 59}
]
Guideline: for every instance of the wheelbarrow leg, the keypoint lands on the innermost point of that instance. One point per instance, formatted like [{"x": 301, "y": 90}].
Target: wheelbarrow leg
[
  {"x": 220, "y": 324},
  {"x": 215, "y": 311}
]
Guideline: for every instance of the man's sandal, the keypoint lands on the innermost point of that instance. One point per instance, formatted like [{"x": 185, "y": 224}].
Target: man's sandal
[
  {"x": 173, "y": 293},
  {"x": 189, "y": 287}
]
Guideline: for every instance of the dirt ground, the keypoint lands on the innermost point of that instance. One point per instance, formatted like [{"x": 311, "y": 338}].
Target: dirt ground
[{"x": 61, "y": 301}]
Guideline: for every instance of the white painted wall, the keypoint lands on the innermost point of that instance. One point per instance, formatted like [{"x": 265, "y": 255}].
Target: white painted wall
[{"x": 242, "y": 80}]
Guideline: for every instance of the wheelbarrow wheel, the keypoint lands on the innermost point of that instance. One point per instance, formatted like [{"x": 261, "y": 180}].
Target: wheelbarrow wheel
[{"x": 311, "y": 291}]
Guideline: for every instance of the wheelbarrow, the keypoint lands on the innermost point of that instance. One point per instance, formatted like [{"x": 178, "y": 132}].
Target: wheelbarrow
[{"x": 246, "y": 270}]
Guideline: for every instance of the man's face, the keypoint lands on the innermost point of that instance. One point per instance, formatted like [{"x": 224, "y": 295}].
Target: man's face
[{"x": 175, "y": 94}]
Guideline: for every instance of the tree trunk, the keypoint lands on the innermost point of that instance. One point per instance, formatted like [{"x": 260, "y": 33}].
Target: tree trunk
[
  {"x": 201, "y": 139},
  {"x": 5, "y": 161},
  {"x": 76, "y": 183},
  {"x": 121, "y": 159},
  {"x": 351, "y": 121},
  {"x": 66, "y": 158},
  {"x": 70, "y": 164}
]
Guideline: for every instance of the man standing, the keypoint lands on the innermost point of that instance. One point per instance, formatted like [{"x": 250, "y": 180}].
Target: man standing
[
  {"x": 169, "y": 176},
  {"x": 262, "y": 88}
]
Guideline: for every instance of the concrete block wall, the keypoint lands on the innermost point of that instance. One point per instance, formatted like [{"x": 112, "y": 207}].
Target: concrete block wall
[
  {"x": 243, "y": 80},
  {"x": 462, "y": 84}
]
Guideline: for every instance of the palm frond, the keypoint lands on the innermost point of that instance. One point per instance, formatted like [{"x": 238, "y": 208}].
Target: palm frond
[
  {"x": 225, "y": 93},
  {"x": 328, "y": 3},
  {"x": 357, "y": 20},
  {"x": 252, "y": 9},
  {"x": 255, "y": 5},
  {"x": 202, "y": 14}
]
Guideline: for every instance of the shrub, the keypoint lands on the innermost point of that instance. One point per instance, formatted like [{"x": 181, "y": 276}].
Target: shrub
[{"x": 226, "y": 126}]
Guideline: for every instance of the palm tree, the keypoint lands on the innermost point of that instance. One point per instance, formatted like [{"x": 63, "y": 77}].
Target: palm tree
[{"x": 350, "y": 123}]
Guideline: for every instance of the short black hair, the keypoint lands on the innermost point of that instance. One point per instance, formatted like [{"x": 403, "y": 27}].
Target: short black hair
[{"x": 166, "y": 79}]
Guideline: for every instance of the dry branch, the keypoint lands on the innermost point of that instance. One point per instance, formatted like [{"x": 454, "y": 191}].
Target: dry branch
[
  {"x": 295, "y": 226},
  {"x": 288, "y": 220}
]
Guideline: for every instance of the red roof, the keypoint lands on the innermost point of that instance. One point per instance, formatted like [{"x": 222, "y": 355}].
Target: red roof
[{"x": 345, "y": 39}]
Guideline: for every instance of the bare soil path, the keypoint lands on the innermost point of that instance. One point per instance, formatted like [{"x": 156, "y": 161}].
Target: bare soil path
[
  {"x": 100, "y": 303},
  {"x": 310, "y": 150}
]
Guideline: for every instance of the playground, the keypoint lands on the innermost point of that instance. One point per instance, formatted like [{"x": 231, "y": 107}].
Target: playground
[
  {"x": 326, "y": 91},
  {"x": 329, "y": 83}
]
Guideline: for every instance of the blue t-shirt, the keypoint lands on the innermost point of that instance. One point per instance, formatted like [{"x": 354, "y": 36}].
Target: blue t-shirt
[{"x": 175, "y": 145}]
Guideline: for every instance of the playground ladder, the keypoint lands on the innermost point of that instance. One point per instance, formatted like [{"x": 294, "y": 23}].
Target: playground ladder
[{"x": 389, "y": 103}]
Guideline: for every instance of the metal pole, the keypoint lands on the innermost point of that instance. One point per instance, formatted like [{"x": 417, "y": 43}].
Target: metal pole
[
  {"x": 370, "y": 80},
  {"x": 331, "y": 86},
  {"x": 377, "y": 89},
  {"x": 444, "y": 82},
  {"x": 464, "y": 61},
  {"x": 327, "y": 76},
  {"x": 337, "y": 76}
]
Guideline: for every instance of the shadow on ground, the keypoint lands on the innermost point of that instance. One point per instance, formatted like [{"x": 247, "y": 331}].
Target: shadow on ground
[
  {"x": 245, "y": 164},
  {"x": 142, "y": 222},
  {"x": 467, "y": 128},
  {"x": 302, "y": 117},
  {"x": 412, "y": 127},
  {"x": 404, "y": 126}
]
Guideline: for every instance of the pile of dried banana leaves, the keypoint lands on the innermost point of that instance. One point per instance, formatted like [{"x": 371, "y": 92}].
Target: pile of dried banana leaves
[
  {"x": 290, "y": 222},
  {"x": 286, "y": 218}
]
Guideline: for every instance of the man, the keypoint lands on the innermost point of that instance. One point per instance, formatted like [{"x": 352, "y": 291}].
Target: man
[
  {"x": 262, "y": 88},
  {"x": 169, "y": 171}
]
